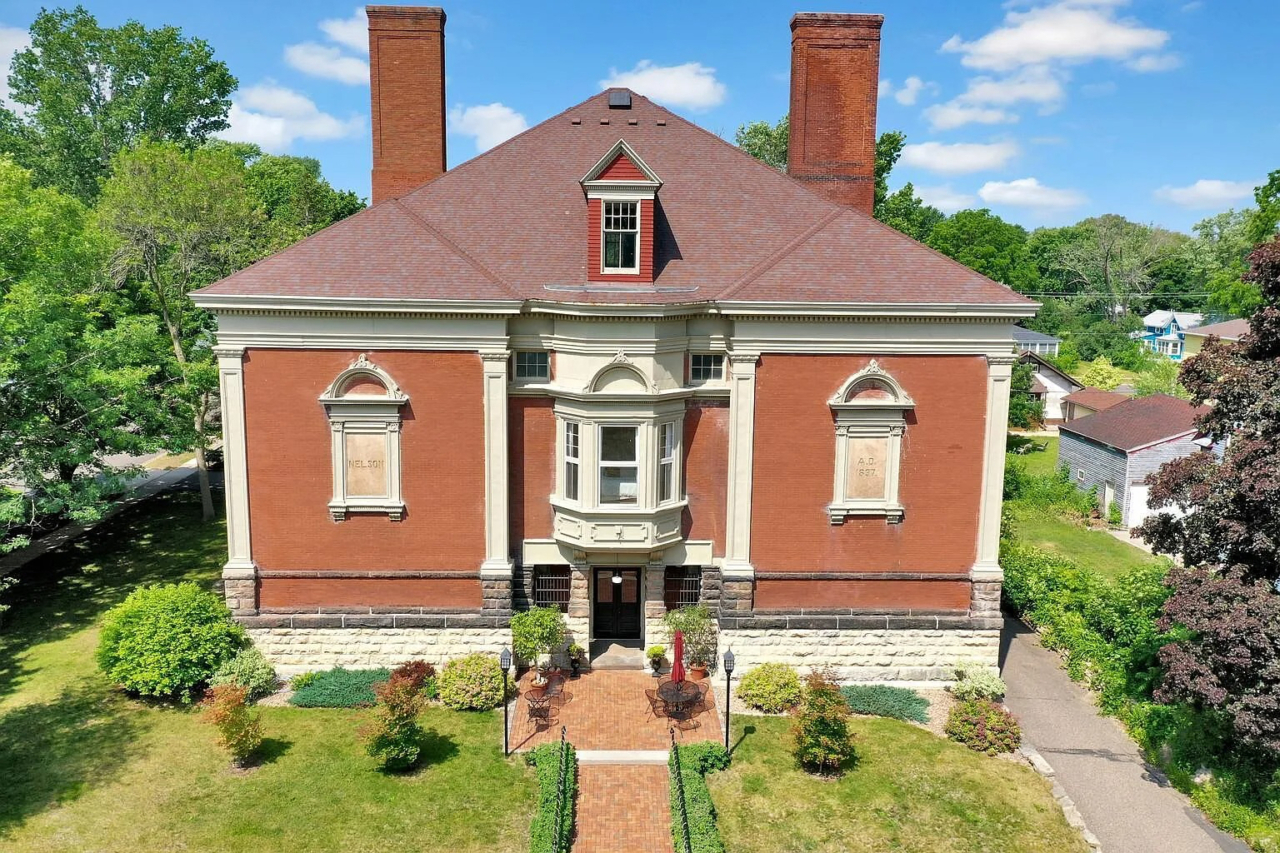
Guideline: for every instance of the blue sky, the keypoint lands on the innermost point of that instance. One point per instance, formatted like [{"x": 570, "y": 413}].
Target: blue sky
[{"x": 1046, "y": 112}]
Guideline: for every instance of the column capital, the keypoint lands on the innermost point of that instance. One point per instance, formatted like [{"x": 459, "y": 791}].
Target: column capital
[
  {"x": 495, "y": 356},
  {"x": 225, "y": 351},
  {"x": 1002, "y": 360},
  {"x": 744, "y": 359}
]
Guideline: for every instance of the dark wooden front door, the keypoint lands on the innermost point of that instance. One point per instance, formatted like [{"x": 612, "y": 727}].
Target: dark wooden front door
[{"x": 617, "y": 605}]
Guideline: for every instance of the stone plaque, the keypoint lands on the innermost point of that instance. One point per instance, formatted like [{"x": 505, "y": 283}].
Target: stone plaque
[
  {"x": 866, "y": 479},
  {"x": 366, "y": 465}
]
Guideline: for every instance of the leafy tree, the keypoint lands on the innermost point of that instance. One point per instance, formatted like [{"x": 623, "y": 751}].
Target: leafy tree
[
  {"x": 987, "y": 244},
  {"x": 1225, "y": 608},
  {"x": 1266, "y": 219},
  {"x": 1216, "y": 256},
  {"x": 888, "y": 149},
  {"x": 1025, "y": 411},
  {"x": 1110, "y": 340},
  {"x": 180, "y": 220},
  {"x": 1100, "y": 373},
  {"x": 906, "y": 212},
  {"x": 1113, "y": 260},
  {"x": 1160, "y": 377},
  {"x": 90, "y": 91},
  {"x": 1044, "y": 246},
  {"x": 76, "y": 370}
]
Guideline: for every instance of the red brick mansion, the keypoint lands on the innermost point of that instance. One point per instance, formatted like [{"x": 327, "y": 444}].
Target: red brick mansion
[{"x": 617, "y": 365}]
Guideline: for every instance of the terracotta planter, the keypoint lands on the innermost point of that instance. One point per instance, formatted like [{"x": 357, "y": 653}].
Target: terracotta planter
[{"x": 697, "y": 672}]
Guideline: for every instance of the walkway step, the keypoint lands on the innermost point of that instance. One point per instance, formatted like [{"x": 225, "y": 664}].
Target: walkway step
[
  {"x": 622, "y": 756},
  {"x": 623, "y": 810},
  {"x": 616, "y": 654}
]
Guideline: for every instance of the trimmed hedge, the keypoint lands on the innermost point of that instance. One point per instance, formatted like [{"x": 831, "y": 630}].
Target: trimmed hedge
[
  {"x": 542, "y": 833},
  {"x": 696, "y": 760},
  {"x": 340, "y": 688},
  {"x": 771, "y": 687},
  {"x": 882, "y": 700},
  {"x": 473, "y": 682}
]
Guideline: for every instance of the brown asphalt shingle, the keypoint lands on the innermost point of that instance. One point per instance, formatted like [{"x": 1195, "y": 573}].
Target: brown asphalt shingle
[
  {"x": 1095, "y": 398},
  {"x": 512, "y": 224},
  {"x": 1138, "y": 422}
]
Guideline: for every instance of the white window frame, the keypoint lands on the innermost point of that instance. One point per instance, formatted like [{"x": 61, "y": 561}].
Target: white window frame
[
  {"x": 875, "y": 418},
  {"x": 516, "y": 365},
  {"x": 716, "y": 367},
  {"x": 364, "y": 414},
  {"x": 634, "y": 465},
  {"x": 668, "y": 459},
  {"x": 604, "y": 215},
  {"x": 571, "y": 470}
]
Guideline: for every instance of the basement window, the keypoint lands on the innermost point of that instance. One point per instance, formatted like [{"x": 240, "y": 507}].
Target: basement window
[{"x": 621, "y": 236}]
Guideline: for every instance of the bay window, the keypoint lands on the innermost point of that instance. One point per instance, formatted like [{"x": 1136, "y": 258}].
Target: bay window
[
  {"x": 666, "y": 462},
  {"x": 571, "y": 460},
  {"x": 618, "y": 465}
]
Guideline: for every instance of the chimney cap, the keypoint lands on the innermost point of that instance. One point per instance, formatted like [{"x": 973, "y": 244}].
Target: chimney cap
[
  {"x": 619, "y": 99},
  {"x": 835, "y": 19}
]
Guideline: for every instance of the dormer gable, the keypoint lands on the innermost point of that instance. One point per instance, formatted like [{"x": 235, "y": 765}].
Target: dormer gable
[{"x": 621, "y": 192}]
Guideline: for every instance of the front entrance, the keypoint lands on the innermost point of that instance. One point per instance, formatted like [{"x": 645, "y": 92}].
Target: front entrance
[{"x": 617, "y": 604}]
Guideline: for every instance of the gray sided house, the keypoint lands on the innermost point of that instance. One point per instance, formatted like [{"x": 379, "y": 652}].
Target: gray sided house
[{"x": 1114, "y": 450}]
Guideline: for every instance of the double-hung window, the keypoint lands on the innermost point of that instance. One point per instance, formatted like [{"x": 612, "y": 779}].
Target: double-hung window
[
  {"x": 618, "y": 465},
  {"x": 705, "y": 368},
  {"x": 621, "y": 236},
  {"x": 666, "y": 462},
  {"x": 572, "y": 450}
]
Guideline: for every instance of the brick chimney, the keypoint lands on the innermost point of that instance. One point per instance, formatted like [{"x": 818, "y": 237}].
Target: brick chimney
[
  {"x": 835, "y": 72},
  {"x": 406, "y": 82}
]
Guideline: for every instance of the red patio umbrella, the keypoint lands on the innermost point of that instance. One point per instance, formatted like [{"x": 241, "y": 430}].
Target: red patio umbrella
[{"x": 677, "y": 655}]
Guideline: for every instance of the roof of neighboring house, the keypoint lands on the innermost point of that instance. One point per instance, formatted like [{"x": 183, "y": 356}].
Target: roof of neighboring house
[
  {"x": 1228, "y": 330},
  {"x": 1029, "y": 336},
  {"x": 1185, "y": 319},
  {"x": 511, "y": 224},
  {"x": 1138, "y": 422},
  {"x": 1045, "y": 364},
  {"x": 1095, "y": 398}
]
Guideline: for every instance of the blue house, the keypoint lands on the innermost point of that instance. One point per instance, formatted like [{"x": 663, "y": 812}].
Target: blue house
[{"x": 1164, "y": 331}]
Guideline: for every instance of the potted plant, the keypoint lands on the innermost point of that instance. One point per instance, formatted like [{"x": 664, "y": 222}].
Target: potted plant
[
  {"x": 698, "y": 626},
  {"x": 654, "y": 655},
  {"x": 535, "y": 635},
  {"x": 576, "y": 654}
]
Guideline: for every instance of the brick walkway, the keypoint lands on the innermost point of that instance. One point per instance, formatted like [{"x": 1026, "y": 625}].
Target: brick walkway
[
  {"x": 608, "y": 709},
  {"x": 623, "y": 808}
]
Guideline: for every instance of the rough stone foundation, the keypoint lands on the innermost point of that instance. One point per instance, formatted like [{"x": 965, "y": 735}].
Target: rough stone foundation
[
  {"x": 295, "y": 650},
  {"x": 865, "y": 655}
]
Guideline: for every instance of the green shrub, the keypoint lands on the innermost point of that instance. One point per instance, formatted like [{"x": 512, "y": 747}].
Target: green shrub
[
  {"x": 1115, "y": 515},
  {"x": 394, "y": 736},
  {"x": 340, "y": 688},
  {"x": 822, "y": 741},
  {"x": 770, "y": 687},
  {"x": 167, "y": 640},
  {"x": 883, "y": 700},
  {"x": 552, "y": 828},
  {"x": 239, "y": 729},
  {"x": 473, "y": 682},
  {"x": 695, "y": 761},
  {"x": 248, "y": 669},
  {"x": 983, "y": 726},
  {"x": 303, "y": 679},
  {"x": 698, "y": 627},
  {"x": 976, "y": 681},
  {"x": 536, "y": 632}
]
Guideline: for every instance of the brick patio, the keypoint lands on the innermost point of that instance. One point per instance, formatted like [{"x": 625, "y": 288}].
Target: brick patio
[
  {"x": 607, "y": 709},
  {"x": 623, "y": 808}
]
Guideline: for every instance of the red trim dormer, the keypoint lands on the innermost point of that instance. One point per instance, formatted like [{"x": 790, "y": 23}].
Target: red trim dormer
[{"x": 621, "y": 195}]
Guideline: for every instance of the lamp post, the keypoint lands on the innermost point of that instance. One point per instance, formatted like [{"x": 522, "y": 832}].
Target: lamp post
[
  {"x": 728, "y": 671},
  {"x": 504, "y": 660}
]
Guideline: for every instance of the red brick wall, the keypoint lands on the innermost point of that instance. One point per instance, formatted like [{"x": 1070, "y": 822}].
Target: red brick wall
[
  {"x": 291, "y": 480},
  {"x": 595, "y": 210},
  {"x": 867, "y": 595},
  {"x": 706, "y": 470},
  {"x": 532, "y": 432},
  {"x": 941, "y": 470},
  {"x": 440, "y": 593},
  {"x": 835, "y": 71},
  {"x": 406, "y": 71},
  {"x": 621, "y": 169}
]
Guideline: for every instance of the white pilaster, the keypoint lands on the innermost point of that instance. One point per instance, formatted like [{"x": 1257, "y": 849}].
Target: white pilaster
[
  {"x": 497, "y": 553},
  {"x": 999, "y": 375},
  {"x": 742, "y": 426},
  {"x": 235, "y": 462}
]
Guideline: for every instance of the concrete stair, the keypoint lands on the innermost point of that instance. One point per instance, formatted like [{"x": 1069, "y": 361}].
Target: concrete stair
[{"x": 617, "y": 654}]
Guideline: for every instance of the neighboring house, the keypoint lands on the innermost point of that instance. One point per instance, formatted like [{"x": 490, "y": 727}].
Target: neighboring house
[
  {"x": 1114, "y": 450},
  {"x": 1163, "y": 331},
  {"x": 615, "y": 365},
  {"x": 1036, "y": 342},
  {"x": 1230, "y": 330},
  {"x": 1089, "y": 401},
  {"x": 1050, "y": 386}
]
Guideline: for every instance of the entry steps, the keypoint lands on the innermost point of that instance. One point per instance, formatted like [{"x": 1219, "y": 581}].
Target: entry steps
[{"x": 617, "y": 654}]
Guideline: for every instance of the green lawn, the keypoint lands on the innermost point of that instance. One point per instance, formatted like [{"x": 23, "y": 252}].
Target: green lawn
[
  {"x": 1093, "y": 549},
  {"x": 1040, "y": 463},
  {"x": 85, "y": 768},
  {"x": 911, "y": 792}
]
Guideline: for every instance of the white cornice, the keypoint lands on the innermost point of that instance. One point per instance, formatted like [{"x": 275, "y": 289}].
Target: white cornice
[
  {"x": 226, "y": 304},
  {"x": 878, "y": 310}
]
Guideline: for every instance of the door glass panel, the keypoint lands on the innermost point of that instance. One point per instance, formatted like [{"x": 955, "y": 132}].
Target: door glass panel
[
  {"x": 604, "y": 587},
  {"x": 630, "y": 587}
]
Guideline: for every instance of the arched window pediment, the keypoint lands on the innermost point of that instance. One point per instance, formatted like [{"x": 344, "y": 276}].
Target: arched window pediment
[
  {"x": 620, "y": 376},
  {"x": 872, "y": 387},
  {"x": 363, "y": 381},
  {"x": 870, "y": 411},
  {"x": 364, "y": 405}
]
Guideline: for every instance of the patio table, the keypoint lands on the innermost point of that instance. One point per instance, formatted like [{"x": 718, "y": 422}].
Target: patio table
[{"x": 679, "y": 697}]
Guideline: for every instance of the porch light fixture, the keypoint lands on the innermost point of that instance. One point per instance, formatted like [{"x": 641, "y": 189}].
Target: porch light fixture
[{"x": 617, "y": 576}]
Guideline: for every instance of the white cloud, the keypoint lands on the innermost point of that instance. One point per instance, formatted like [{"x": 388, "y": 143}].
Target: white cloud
[
  {"x": 1097, "y": 90},
  {"x": 488, "y": 124},
  {"x": 1207, "y": 194},
  {"x": 1155, "y": 62},
  {"x": 12, "y": 40},
  {"x": 328, "y": 62},
  {"x": 1036, "y": 84},
  {"x": 691, "y": 85},
  {"x": 945, "y": 198},
  {"x": 952, "y": 115},
  {"x": 1069, "y": 31},
  {"x": 273, "y": 117},
  {"x": 350, "y": 32},
  {"x": 1029, "y": 192},
  {"x": 960, "y": 158},
  {"x": 883, "y": 89},
  {"x": 911, "y": 90}
]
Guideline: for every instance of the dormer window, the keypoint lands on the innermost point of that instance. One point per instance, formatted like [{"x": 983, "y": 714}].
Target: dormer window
[{"x": 621, "y": 236}]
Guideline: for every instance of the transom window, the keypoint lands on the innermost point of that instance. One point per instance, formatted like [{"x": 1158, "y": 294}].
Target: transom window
[
  {"x": 572, "y": 451},
  {"x": 621, "y": 236},
  {"x": 533, "y": 364},
  {"x": 705, "y": 368},
  {"x": 618, "y": 465}
]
